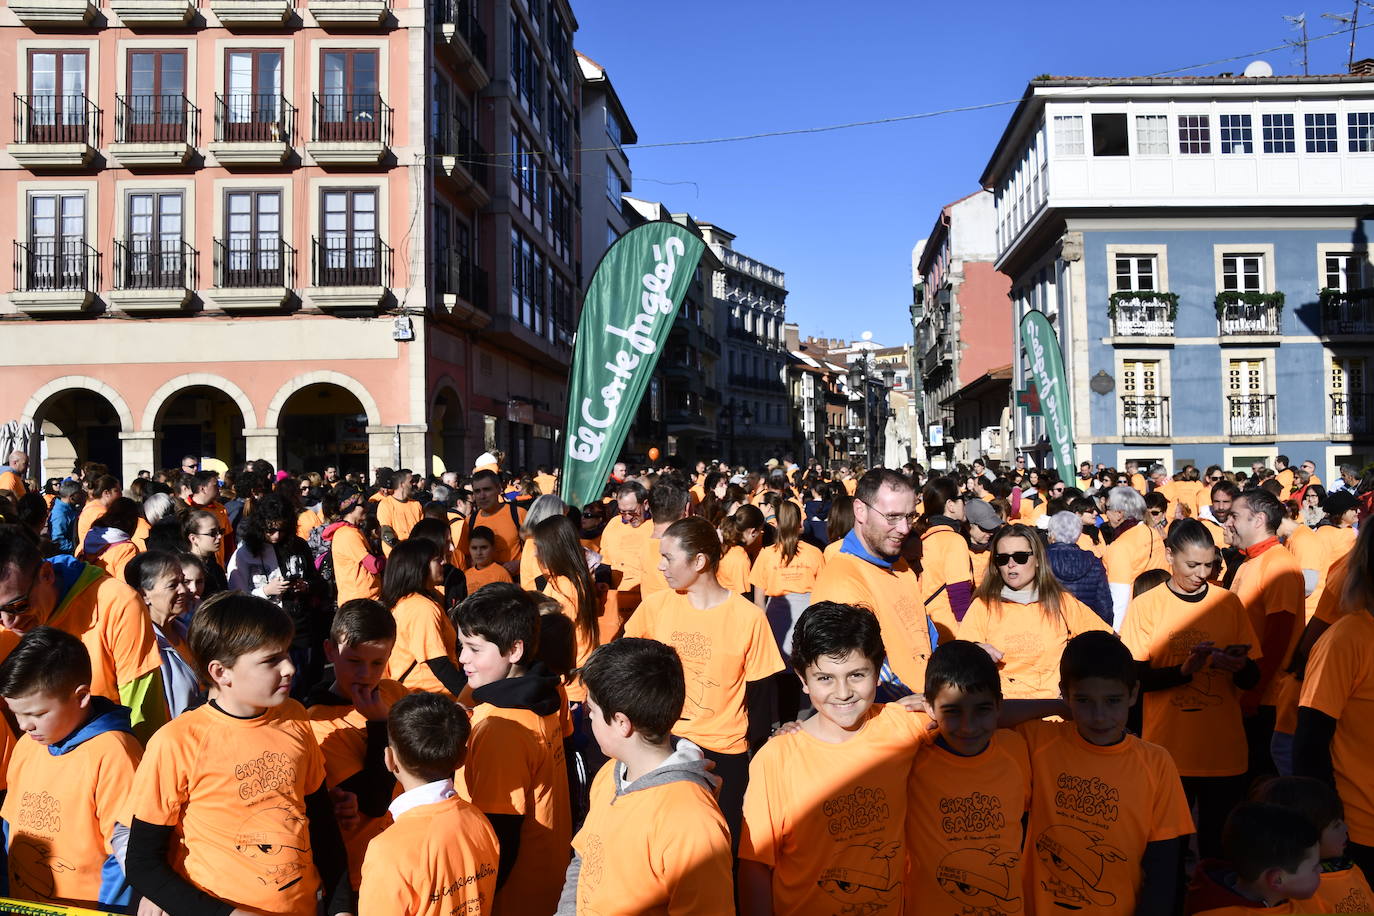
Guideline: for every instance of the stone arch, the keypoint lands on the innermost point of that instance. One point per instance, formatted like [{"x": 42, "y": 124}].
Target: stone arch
[
  {"x": 160, "y": 397},
  {"x": 67, "y": 382},
  {"x": 322, "y": 377}
]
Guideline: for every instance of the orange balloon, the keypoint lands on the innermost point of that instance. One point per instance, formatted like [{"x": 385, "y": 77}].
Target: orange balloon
[{"x": 653, "y": 454}]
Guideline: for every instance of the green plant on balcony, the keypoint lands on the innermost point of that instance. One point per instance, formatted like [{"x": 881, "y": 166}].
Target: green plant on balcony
[
  {"x": 1329, "y": 295},
  {"x": 1142, "y": 295},
  {"x": 1233, "y": 297}
]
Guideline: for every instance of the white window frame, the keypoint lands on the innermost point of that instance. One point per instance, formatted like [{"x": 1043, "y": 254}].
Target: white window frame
[
  {"x": 1333, "y": 140},
  {"x": 1163, "y": 388},
  {"x": 1278, "y": 134},
  {"x": 1364, "y": 257},
  {"x": 1205, "y": 138},
  {"x": 1160, "y": 148},
  {"x": 1237, "y": 138},
  {"x": 1266, "y": 253},
  {"x": 1063, "y": 130},
  {"x": 1354, "y": 142}
]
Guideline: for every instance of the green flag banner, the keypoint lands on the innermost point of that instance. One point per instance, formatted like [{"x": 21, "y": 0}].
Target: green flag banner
[
  {"x": 626, "y": 316},
  {"x": 1041, "y": 345}
]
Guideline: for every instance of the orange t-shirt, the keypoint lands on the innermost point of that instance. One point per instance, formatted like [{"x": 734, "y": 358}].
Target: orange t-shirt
[
  {"x": 399, "y": 516},
  {"x": 530, "y": 569},
  {"x": 1217, "y": 532},
  {"x": 515, "y": 766},
  {"x": 1085, "y": 542},
  {"x": 661, "y": 849},
  {"x": 1268, "y": 584},
  {"x": 1031, "y": 643},
  {"x": 435, "y": 860},
  {"x": 423, "y": 632},
  {"x": 1137, "y": 549},
  {"x": 10, "y": 480},
  {"x": 140, "y": 536},
  {"x": 86, "y": 521},
  {"x": 1340, "y": 683},
  {"x": 944, "y": 562},
  {"x": 61, "y": 816},
  {"x": 348, "y": 548},
  {"x": 651, "y": 580},
  {"x": 492, "y": 572},
  {"x": 775, "y": 577},
  {"x": 829, "y": 819},
  {"x": 733, "y": 570},
  {"x": 1317, "y": 551},
  {"x": 236, "y": 789},
  {"x": 850, "y": 485},
  {"x": 1343, "y": 890},
  {"x": 979, "y": 561},
  {"x": 307, "y": 521},
  {"x": 622, "y": 547},
  {"x": 1329, "y": 608},
  {"x": 563, "y": 589},
  {"x": 964, "y": 828},
  {"x": 1198, "y": 722},
  {"x": 112, "y": 621},
  {"x": 457, "y": 534},
  {"x": 114, "y": 558},
  {"x": 831, "y": 549},
  {"x": 547, "y": 483},
  {"x": 504, "y": 529},
  {"x": 722, "y": 649},
  {"x": 893, "y": 594},
  {"x": 341, "y": 732},
  {"x": 1285, "y": 479},
  {"x": 1093, "y": 812}
]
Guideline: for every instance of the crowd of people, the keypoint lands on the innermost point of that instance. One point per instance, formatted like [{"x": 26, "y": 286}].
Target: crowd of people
[{"x": 982, "y": 690}]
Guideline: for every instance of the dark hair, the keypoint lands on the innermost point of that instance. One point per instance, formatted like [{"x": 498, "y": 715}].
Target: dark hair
[
  {"x": 641, "y": 679},
  {"x": 558, "y": 545},
  {"x": 789, "y": 525},
  {"x": 19, "y": 551},
  {"x": 1262, "y": 502},
  {"x": 1359, "y": 581},
  {"x": 749, "y": 516},
  {"x": 1097, "y": 653},
  {"x": 232, "y": 624},
  {"x": 1316, "y": 801},
  {"x": 833, "y": 630},
  {"x": 482, "y": 533},
  {"x": 1225, "y": 486},
  {"x": 937, "y": 492},
  {"x": 632, "y": 488},
  {"x": 201, "y": 478},
  {"x": 428, "y": 734},
  {"x": 964, "y": 665},
  {"x": 144, "y": 570},
  {"x": 1188, "y": 532},
  {"x": 407, "y": 572},
  {"x": 502, "y": 614},
  {"x": 1149, "y": 579},
  {"x": 434, "y": 530},
  {"x": 47, "y": 660},
  {"x": 362, "y": 620},
  {"x": 399, "y": 478},
  {"x": 867, "y": 489},
  {"x": 122, "y": 513},
  {"x": 841, "y": 519},
  {"x": 697, "y": 537},
  {"x": 1156, "y": 500},
  {"x": 271, "y": 508},
  {"x": 667, "y": 501},
  {"x": 1259, "y": 836}
]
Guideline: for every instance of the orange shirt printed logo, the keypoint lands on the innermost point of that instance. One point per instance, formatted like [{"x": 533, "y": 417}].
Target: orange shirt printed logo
[{"x": 865, "y": 878}]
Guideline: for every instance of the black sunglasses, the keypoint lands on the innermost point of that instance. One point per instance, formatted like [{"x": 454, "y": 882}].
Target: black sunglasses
[
  {"x": 17, "y": 606},
  {"x": 1022, "y": 557}
]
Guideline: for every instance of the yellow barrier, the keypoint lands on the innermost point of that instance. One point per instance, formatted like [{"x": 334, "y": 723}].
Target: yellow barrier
[{"x": 29, "y": 908}]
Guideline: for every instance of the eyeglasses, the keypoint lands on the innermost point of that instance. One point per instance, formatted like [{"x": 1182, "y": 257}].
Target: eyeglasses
[
  {"x": 1215, "y": 478},
  {"x": 629, "y": 513},
  {"x": 214, "y": 533},
  {"x": 275, "y": 529},
  {"x": 16, "y": 607},
  {"x": 894, "y": 519},
  {"x": 1020, "y": 557},
  {"x": 1156, "y": 511}
]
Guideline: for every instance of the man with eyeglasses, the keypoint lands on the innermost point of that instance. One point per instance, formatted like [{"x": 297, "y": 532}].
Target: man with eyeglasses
[
  {"x": 869, "y": 571},
  {"x": 190, "y": 464},
  {"x": 107, "y": 616},
  {"x": 624, "y": 540}
]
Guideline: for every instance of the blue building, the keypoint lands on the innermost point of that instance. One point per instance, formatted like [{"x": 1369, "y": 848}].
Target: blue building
[{"x": 1202, "y": 247}]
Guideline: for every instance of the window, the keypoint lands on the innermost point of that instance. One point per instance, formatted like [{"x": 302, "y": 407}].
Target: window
[
  {"x": 1245, "y": 377},
  {"x": 252, "y": 239},
  {"x": 1360, "y": 131},
  {"x": 612, "y": 126},
  {"x": 1135, "y": 272},
  {"x": 57, "y": 87},
  {"x": 1068, "y": 135},
  {"x": 560, "y": 220},
  {"x": 1194, "y": 134},
  {"x": 560, "y": 48},
  {"x": 1351, "y": 407},
  {"x": 527, "y": 291},
  {"x": 524, "y": 69},
  {"x": 153, "y": 240},
  {"x": 1140, "y": 378},
  {"x": 156, "y": 104},
  {"x": 1242, "y": 272},
  {"x": 1236, "y": 135},
  {"x": 351, "y": 246},
  {"x": 1277, "y": 133},
  {"x": 351, "y": 106},
  {"x": 1343, "y": 271},
  {"x": 611, "y": 235},
  {"x": 525, "y": 169},
  {"x": 1320, "y": 128},
  {"x": 560, "y": 132},
  {"x": 253, "y": 95},
  {"x": 614, "y": 186},
  {"x": 57, "y": 242},
  {"x": 1109, "y": 135},
  {"x": 1152, "y": 135}
]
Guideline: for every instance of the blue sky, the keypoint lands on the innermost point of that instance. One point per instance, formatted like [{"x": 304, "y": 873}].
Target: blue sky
[{"x": 839, "y": 212}]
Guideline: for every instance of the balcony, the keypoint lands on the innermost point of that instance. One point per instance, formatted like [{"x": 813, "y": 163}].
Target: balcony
[
  {"x": 1347, "y": 313},
  {"x": 1352, "y": 414},
  {"x": 252, "y": 14},
  {"x": 350, "y": 272},
  {"x": 154, "y": 13},
  {"x": 1144, "y": 417},
  {"x": 253, "y": 274},
  {"x": 55, "y": 277},
  {"x": 457, "y": 21},
  {"x": 349, "y": 129},
  {"x": 710, "y": 344},
  {"x": 712, "y": 395},
  {"x": 463, "y": 161},
  {"x": 463, "y": 290},
  {"x": 55, "y": 131},
  {"x": 1258, "y": 317},
  {"x": 1136, "y": 316},
  {"x": 152, "y": 275},
  {"x": 47, "y": 14},
  {"x": 1250, "y": 416},
  {"x": 154, "y": 131},
  {"x": 348, "y": 14},
  {"x": 253, "y": 129}
]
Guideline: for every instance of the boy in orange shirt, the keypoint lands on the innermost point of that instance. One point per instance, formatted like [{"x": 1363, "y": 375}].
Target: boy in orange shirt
[
  {"x": 71, "y": 781},
  {"x": 439, "y": 855},
  {"x": 484, "y": 569},
  {"x": 1108, "y": 816},
  {"x": 1272, "y": 862},
  {"x": 230, "y": 809},
  {"x": 349, "y": 719},
  {"x": 654, "y": 839},
  {"x": 1344, "y": 888},
  {"x": 515, "y": 771}
]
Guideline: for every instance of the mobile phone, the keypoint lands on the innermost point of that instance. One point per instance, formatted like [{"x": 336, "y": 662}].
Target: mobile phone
[{"x": 1237, "y": 650}]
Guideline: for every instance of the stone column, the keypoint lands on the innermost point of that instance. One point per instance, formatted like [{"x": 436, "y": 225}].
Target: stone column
[
  {"x": 139, "y": 452},
  {"x": 382, "y": 451},
  {"x": 261, "y": 443}
]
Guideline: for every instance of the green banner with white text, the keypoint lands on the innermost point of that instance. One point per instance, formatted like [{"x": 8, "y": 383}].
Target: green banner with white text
[
  {"x": 1041, "y": 346},
  {"x": 626, "y": 315}
]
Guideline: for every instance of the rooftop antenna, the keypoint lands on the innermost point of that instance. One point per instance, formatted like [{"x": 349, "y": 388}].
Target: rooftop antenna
[
  {"x": 1353, "y": 20},
  {"x": 1300, "y": 23}
]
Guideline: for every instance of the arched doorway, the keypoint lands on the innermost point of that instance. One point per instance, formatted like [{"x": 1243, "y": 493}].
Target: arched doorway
[
  {"x": 78, "y": 425},
  {"x": 201, "y": 421},
  {"x": 446, "y": 429},
  {"x": 322, "y": 425}
]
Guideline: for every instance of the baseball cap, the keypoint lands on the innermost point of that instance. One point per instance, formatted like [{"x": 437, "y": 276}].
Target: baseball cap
[{"x": 979, "y": 513}]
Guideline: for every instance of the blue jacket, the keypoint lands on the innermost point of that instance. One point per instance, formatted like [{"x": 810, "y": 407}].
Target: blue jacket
[
  {"x": 62, "y": 526},
  {"x": 1083, "y": 575}
]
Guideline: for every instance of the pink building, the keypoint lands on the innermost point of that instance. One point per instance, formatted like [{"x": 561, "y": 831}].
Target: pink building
[{"x": 265, "y": 228}]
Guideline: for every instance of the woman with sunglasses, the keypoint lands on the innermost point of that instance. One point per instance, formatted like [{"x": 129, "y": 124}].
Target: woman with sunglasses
[
  {"x": 1023, "y": 616},
  {"x": 946, "y": 569},
  {"x": 356, "y": 568}
]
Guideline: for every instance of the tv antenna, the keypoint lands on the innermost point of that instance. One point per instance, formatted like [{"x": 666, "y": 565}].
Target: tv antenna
[{"x": 1300, "y": 24}]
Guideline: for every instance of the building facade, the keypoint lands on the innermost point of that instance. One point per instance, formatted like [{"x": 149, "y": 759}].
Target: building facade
[
  {"x": 318, "y": 232},
  {"x": 606, "y": 128},
  {"x": 1202, "y": 248}
]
